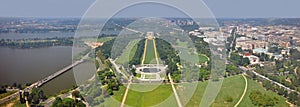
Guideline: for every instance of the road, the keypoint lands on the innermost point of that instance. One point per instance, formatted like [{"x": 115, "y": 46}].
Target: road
[
  {"x": 49, "y": 101},
  {"x": 231, "y": 44},
  {"x": 174, "y": 91},
  {"x": 14, "y": 95},
  {"x": 100, "y": 64}
]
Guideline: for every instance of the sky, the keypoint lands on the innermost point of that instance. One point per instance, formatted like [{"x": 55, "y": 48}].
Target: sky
[{"x": 220, "y": 8}]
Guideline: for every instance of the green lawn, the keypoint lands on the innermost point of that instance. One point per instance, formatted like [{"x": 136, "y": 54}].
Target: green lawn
[
  {"x": 154, "y": 95},
  {"x": 232, "y": 87},
  {"x": 150, "y": 76},
  {"x": 105, "y": 39},
  {"x": 161, "y": 94},
  {"x": 150, "y": 54},
  {"x": 252, "y": 85},
  {"x": 116, "y": 99},
  {"x": 128, "y": 52},
  {"x": 202, "y": 59}
]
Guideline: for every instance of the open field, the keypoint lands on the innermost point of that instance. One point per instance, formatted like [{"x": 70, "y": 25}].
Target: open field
[
  {"x": 150, "y": 76},
  {"x": 154, "y": 94},
  {"x": 150, "y": 97},
  {"x": 128, "y": 52},
  {"x": 232, "y": 87},
  {"x": 104, "y": 39},
  {"x": 150, "y": 54},
  {"x": 252, "y": 85}
]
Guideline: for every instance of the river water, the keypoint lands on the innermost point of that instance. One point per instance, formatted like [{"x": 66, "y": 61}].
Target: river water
[{"x": 30, "y": 65}]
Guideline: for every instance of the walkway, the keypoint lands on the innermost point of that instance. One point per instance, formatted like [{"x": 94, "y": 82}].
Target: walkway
[
  {"x": 145, "y": 48},
  {"x": 126, "y": 92},
  {"x": 174, "y": 91},
  {"x": 245, "y": 90}
]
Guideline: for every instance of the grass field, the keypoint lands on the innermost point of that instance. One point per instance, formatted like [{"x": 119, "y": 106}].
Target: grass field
[
  {"x": 232, "y": 87},
  {"x": 150, "y": 76},
  {"x": 252, "y": 85},
  {"x": 202, "y": 59},
  {"x": 150, "y": 97},
  {"x": 150, "y": 54},
  {"x": 104, "y": 39},
  {"x": 128, "y": 52}
]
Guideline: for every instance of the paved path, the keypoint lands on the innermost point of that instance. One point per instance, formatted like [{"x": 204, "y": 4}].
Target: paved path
[
  {"x": 279, "y": 84},
  {"x": 156, "y": 56},
  {"x": 174, "y": 91},
  {"x": 126, "y": 92},
  {"x": 245, "y": 90},
  {"x": 117, "y": 67},
  {"x": 10, "y": 97},
  {"x": 266, "y": 78},
  {"x": 145, "y": 48}
]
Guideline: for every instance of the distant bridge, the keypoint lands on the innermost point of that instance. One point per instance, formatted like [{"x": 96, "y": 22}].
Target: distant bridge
[{"x": 56, "y": 74}]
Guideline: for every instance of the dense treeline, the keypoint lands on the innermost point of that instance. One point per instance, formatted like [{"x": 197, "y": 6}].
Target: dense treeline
[
  {"x": 2, "y": 90},
  {"x": 168, "y": 55},
  {"x": 37, "y": 42},
  {"x": 106, "y": 48},
  {"x": 262, "y": 100},
  {"x": 239, "y": 60},
  {"x": 136, "y": 60},
  {"x": 67, "y": 102},
  {"x": 292, "y": 97},
  {"x": 34, "y": 98},
  {"x": 201, "y": 46}
]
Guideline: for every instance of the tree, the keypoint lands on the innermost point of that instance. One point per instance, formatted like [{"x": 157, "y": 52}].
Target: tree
[
  {"x": 57, "y": 102},
  {"x": 245, "y": 61},
  {"x": 260, "y": 99},
  {"x": 292, "y": 97},
  {"x": 68, "y": 102},
  {"x": 76, "y": 94},
  {"x": 36, "y": 95},
  {"x": 203, "y": 74}
]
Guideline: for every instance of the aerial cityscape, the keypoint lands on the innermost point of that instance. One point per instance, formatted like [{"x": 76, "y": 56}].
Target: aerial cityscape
[{"x": 142, "y": 61}]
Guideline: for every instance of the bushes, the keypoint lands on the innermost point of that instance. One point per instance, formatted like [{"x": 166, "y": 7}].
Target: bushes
[{"x": 260, "y": 99}]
